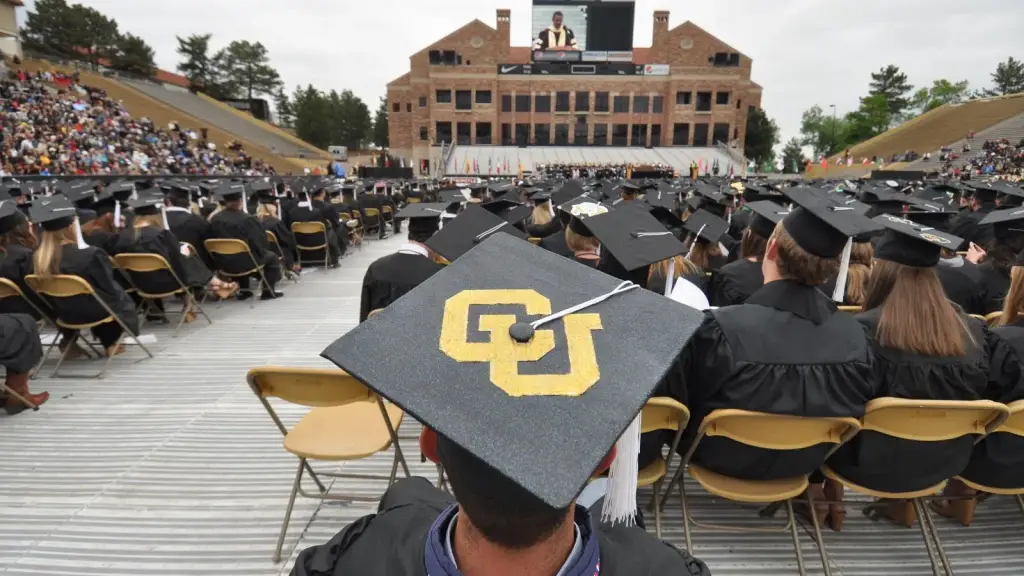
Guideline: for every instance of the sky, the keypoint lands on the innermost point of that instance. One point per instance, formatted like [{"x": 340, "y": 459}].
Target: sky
[{"x": 805, "y": 52}]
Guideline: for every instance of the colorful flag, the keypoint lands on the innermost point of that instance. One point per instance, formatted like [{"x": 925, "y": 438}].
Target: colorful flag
[
  {"x": 476, "y": 166},
  {"x": 466, "y": 167},
  {"x": 490, "y": 165}
]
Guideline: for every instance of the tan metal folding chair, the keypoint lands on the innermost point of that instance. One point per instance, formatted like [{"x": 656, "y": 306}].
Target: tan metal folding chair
[
  {"x": 851, "y": 309},
  {"x": 413, "y": 200},
  {"x": 374, "y": 312},
  {"x": 68, "y": 286},
  {"x": 348, "y": 421},
  {"x": 311, "y": 229},
  {"x": 925, "y": 421},
  {"x": 1014, "y": 425},
  {"x": 534, "y": 240},
  {"x": 374, "y": 214},
  {"x": 225, "y": 247},
  {"x": 276, "y": 247},
  {"x": 357, "y": 231},
  {"x": 768, "y": 432},
  {"x": 661, "y": 414},
  {"x": 992, "y": 318},
  {"x": 149, "y": 263}
]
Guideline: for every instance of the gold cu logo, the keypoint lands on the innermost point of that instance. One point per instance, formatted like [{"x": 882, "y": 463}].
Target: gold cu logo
[
  {"x": 504, "y": 354},
  {"x": 934, "y": 238}
]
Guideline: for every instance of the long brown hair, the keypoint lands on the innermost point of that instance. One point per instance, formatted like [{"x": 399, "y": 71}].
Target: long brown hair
[
  {"x": 797, "y": 264},
  {"x": 46, "y": 260},
  {"x": 916, "y": 316},
  {"x": 1013, "y": 306},
  {"x": 683, "y": 268},
  {"x": 20, "y": 235},
  {"x": 752, "y": 245},
  {"x": 859, "y": 273},
  {"x": 103, "y": 223},
  {"x": 702, "y": 254}
]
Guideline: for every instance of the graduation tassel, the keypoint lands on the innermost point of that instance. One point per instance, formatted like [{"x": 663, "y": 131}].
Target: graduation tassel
[
  {"x": 844, "y": 268},
  {"x": 78, "y": 236},
  {"x": 694, "y": 243},
  {"x": 117, "y": 214},
  {"x": 245, "y": 203},
  {"x": 671, "y": 276},
  {"x": 163, "y": 216},
  {"x": 620, "y": 500}
]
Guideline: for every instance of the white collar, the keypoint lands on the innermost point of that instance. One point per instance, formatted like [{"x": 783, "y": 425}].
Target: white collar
[
  {"x": 178, "y": 209},
  {"x": 413, "y": 248}
]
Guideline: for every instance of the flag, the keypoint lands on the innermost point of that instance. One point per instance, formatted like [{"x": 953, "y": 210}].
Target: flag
[
  {"x": 490, "y": 165},
  {"x": 476, "y": 166},
  {"x": 506, "y": 165},
  {"x": 466, "y": 167},
  {"x": 387, "y": 161},
  {"x": 520, "y": 173}
]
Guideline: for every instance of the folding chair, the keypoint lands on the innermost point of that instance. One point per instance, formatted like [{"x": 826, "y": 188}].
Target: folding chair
[
  {"x": 413, "y": 200},
  {"x": 387, "y": 216},
  {"x": 769, "y": 432},
  {"x": 68, "y": 286},
  {"x": 348, "y": 421},
  {"x": 1014, "y": 424},
  {"x": 276, "y": 247},
  {"x": 374, "y": 312},
  {"x": 310, "y": 229},
  {"x": 355, "y": 231},
  {"x": 373, "y": 215},
  {"x": 661, "y": 414},
  {"x": 925, "y": 421},
  {"x": 978, "y": 316},
  {"x": 992, "y": 318},
  {"x": 152, "y": 263},
  {"x": 224, "y": 248},
  {"x": 851, "y": 309},
  {"x": 534, "y": 240}
]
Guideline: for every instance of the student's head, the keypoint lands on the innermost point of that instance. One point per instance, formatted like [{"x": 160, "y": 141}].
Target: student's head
[
  {"x": 785, "y": 259},
  {"x": 859, "y": 273},
  {"x": 421, "y": 229},
  {"x": 264, "y": 210},
  {"x": 752, "y": 245},
  {"x": 541, "y": 214},
  {"x": 1013, "y": 306},
  {"x": 703, "y": 252},
  {"x": 580, "y": 243},
  {"x": 179, "y": 200},
  {"x": 683, "y": 267},
  {"x": 46, "y": 260},
  {"x": 20, "y": 234}
]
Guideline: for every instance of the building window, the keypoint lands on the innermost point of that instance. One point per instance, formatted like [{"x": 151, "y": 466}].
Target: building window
[
  {"x": 639, "y": 135},
  {"x": 583, "y": 101},
  {"x": 561, "y": 101},
  {"x": 600, "y": 101},
  {"x": 700, "y": 134},
  {"x": 444, "y": 132},
  {"x": 641, "y": 104},
  {"x": 506, "y": 135},
  {"x": 736, "y": 134},
  {"x": 739, "y": 103},
  {"x": 523, "y": 104},
  {"x": 655, "y": 135},
  {"x": 506, "y": 102},
  {"x": 600, "y": 134},
  {"x": 408, "y": 106},
  {"x": 579, "y": 137},
  {"x": 681, "y": 134},
  {"x": 620, "y": 134},
  {"x": 483, "y": 97},
  {"x": 542, "y": 103},
  {"x": 423, "y": 101},
  {"x": 443, "y": 96},
  {"x": 542, "y": 134},
  {"x": 722, "y": 98},
  {"x": 463, "y": 133},
  {"x": 424, "y": 133},
  {"x": 463, "y": 99},
  {"x": 620, "y": 105},
  {"x": 483, "y": 132},
  {"x": 522, "y": 134},
  {"x": 703, "y": 101},
  {"x": 730, "y": 59},
  {"x": 684, "y": 98},
  {"x": 561, "y": 134},
  {"x": 720, "y": 134},
  {"x": 658, "y": 105}
]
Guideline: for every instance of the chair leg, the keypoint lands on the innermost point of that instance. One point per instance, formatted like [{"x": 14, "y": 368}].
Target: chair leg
[
  {"x": 288, "y": 510},
  {"x": 927, "y": 538},
  {"x": 677, "y": 477},
  {"x": 196, "y": 306},
  {"x": 657, "y": 509},
  {"x": 63, "y": 355},
  {"x": 394, "y": 437},
  {"x": 686, "y": 515},
  {"x": 796, "y": 539},
  {"x": 1020, "y": 503},
  {"x": 56, "y": 338},
  {"x": 138, "y": 342},
  {"x": 394, "y": 470},
  {"x": 18, "y": 397},
  {"x": 110, "y": 357},
  {"x": 926, "y": 517},
  {"x": 818, "y": 536}
]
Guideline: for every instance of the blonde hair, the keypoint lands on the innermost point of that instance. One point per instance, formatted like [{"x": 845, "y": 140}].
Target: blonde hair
[
  {"x": 266, "y": 211},
  {"x": 219, "y": 209},
  {"x": 702, "y": 254},
  {"x": 46, "y": 260},
  {"x": 578, "y": 243},
  {"x": 541, "y": 215},
  {"x": 683, "y": 268},
  {"x": 1013, "y": 306}
]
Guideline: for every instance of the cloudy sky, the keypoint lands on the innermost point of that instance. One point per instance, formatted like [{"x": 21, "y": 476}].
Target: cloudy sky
[{"x": 805, "y": 52}]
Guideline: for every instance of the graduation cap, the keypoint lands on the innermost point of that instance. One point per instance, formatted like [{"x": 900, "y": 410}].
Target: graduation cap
[
  {"x": 515, "y": 384},
  {"x": 14, "y": 188},
  {"x": 934, "y": 219},
  {"x": 912, "y": 244},
  {"x": 766, "y": 215},
  {"x": 1006, "y": 223},
  {"x": 81, "y": 196},
  {"x": 260, "y": 187},
  {"x": 752, "y": 193},
  {"x": 884, "y": 201},
  {"x": 468, "y": 229},
  {"x": 451, "y": 195},
  {"x": 985, "y": 192},
  {"x": 424, "y": 217},
  {"x": 230, "y": 191},
  {"x": 150, "y": 206},
  {"x": 10, "y": 216},
  {"x": 706, "y": 227},
  {"x": 499, "y": 207},
  {"x": 634, "y": 237},
  {"x": 55, "y": 213}
]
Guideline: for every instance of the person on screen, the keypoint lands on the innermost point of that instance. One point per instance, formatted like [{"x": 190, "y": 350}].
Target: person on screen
[{"x": 556, "y": 36}]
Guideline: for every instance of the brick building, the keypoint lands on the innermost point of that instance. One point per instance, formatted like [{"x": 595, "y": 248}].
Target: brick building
[{"x": 459, "y": 90}]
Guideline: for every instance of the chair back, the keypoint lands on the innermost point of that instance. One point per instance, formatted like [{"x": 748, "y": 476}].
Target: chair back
[
  {"x": 371, "y": 212},
  {"x": 313, "y": 387},
  {"x": 226, "y": 246},
  {"x": 851, "y": 309},
  {"x": 933, "y": 420},
  {"x": 9, "y": 289},
  {"x": 344, "y": 217},
  {"x": 1014, "y": 423},
  {"x": 308, "y": 227},
  {"x": 992, "y": 318},
  {"x": 142, "y": 263},
  {"x": 59, "y": 286},
  {"x": 778, "y": 431},
  {"x": 413, "y": 200},
  {"x": 272, "y": 238},
  {"x": 386, "y": 209},
  {"x": 374, "y": 312},
  {"x": 534, "y": 240},
  {"x": 663, "y": 414}
]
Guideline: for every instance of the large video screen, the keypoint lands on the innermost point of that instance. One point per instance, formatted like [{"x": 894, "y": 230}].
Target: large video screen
[{"x": 597, "y": 25}]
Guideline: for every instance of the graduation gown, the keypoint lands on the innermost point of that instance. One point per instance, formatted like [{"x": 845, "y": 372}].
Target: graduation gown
[
  {"x": 995, "y": 283},
  {"x": 998, "y": 460},
  {"x": 15, "y": 264},
  {"x": 888, "y": 464},
  {"x": 315, "y": 212},
  {"x": 787, "y": 350},
  {"x": 406, "y": 538},
  {"x": 739, "y": 223},
  {"x": 962, "y": 282},
  {"x": 93, "y": 265},
  {"x": 103, "y": 240},
  {"x": 191, "y": 228},
  {"x": 241, "y": 226},
  {"x": 967, "y": 226},
  {"x": 285, "y": 239},
  {"x": 735, "y": 282},
  {"x": 391, "y": 277},
  {"x": 556, "y": 243},
  {"x": 20, "y": 348},
  {"x": 150, "y": 240}
]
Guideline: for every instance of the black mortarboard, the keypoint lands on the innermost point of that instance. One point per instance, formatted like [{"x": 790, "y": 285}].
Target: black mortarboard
[
  {"x": 984, "y": 191},
  {"x": 544, "y": 407},
  {"x": 883, "y": 200},
  {"x": 1006, "y": 223},
  {"x": 499, "y": 207},
  {"x": 706, "y": 226},
  {"x": 709, "y": 191},
  {"x": 424, "y": 217},
  {"x": 516, "y": 214},
  {"x": 230, "y": 191},
  {"x": 753, "y": 193},
  {"x": 260, "y": 187},
  {"x": 81, "y": 196},
  {"x": 53, "y": 212},
  {"x": 766, "y": 215},
  {"x": 120, "y": 190},
  {"x": 934, "y": 219},
  {"x": 468, "y": 229},
  {"x": 14, "y": 188},
  {"x": 634, "y": 237},
  {"x": 452, "y": 195},
  {"x": 148, "y": 206},
  {"x": 912, "y": 244},
  {"x": 820, "y": 226},
  {"x": 10, "y": 216},
  {"x": 574, "y": 212}
]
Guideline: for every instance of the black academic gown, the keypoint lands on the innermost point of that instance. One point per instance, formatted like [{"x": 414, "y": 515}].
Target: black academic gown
[
  {"x": 995, "y": 284},
  {"x": 787, "y": 350},
  {"x": 739, "y": 223},
  {"x": 735, "y": 282},
  {"x": 15, "y": 264},
  {"x": 150, "y": 240},
  {"x": 888, "y": 464},
  {"x": 962, "y": 282},
  {"x": 241, "y": 226},
  {"x": 967, "y": 226},
  {"x": 556, "y": 243},
  {"x": 393, "y": 542},
  {"x": 285, "y": 239},
  {"x": 191, "y": 228},
  {"x": 20, "y": 348},
  {"x": 103, "y": 240},
  {"x": 315, "y": 212},
  {"x": 330, "y": 214},
  {"x": 998, "y": 460},
  {"x": 93, "y": 265},
  {"x": 391, "y": 277}
]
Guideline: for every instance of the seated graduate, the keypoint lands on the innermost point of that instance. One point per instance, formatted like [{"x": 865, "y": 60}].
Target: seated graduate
[
  {"x": 1001, "y": 252},
  {"x": 706, "y": 232},
  {"x": 370, "y": 200},
  {"x": 627, "y": 193},
  {"x": 717, "y": 199},
  {"x": 308, "y": 209},
  {"x": 960, "y": 277},
  {"x": 266, "y": 212},
  {"x": 556, "y": 241},
  {"x": 20, "y": 351},
  {"x": 390, "y": 197},
  {"x": 321, "y": 203},
  {"x": 389, "y": 278},
  {"x": 926, "y": 349},
  {"x": 787, "y": 350},
  {"x": 231, "y": 221},
  {"x": 521, "y": 515},
  {"x": 737, "y": 280},
  {"x": 542, "y": 222},
  {"x": 859, "y": 273},
  {"x": 586, "y": 249},
  {"x": 17, "y": 243},
  {"x": 185, "y": 224},
  {"x": 111, "y": 217},
  {"x": 63, "y": 251}
]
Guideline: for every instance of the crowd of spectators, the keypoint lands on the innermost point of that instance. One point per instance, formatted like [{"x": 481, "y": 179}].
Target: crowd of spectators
[
  {"x": 996, "y": 158},
  {"x": 50, "y": 124},
  {"x": 596, "y": 170}
]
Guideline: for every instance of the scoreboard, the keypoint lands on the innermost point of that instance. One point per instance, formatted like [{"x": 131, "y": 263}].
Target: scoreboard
[{"x": 599, "y": 25}]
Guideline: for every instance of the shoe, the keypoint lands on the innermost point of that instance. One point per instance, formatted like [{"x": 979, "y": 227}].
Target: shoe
[
  {"x": 19, "y": 384},
  {"x": 244, "y": 295},
  {"x": 836, "y": 511},
  {"x": 271, "y": 295}
]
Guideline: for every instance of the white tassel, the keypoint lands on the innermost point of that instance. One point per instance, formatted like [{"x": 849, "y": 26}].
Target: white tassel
[
  {"x": 278, "y": 204},
  {"x": 724, "y": 250},
  {"x": 245, "y": 203},
  {"x": 117, "y": 214},
  {"x": 78, "y": 236},
  {"x": 620, "y": 501},
  {"x": 844, "y": 268},
  {"x": 163, "y": 216},
  {"x": 671, "y": 276}
]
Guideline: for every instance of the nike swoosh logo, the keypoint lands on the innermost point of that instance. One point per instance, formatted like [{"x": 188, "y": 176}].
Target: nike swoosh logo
[{"x": 507, "y": 69}]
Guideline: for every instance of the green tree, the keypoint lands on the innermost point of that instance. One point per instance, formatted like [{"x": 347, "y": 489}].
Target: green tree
[
  {"x": 893, "y": 86},
  {"x": 285, "y": 111},
  {"x": 1008, "y": 78},
  {"x": 380, "y": 124},
  {"x": 825, "y": 134},
  {"x": 872, "y": 118},
  {"x": 311, "y": 111},
  {"x": 196, "y": 63},
  {"x": 47, "y": 28},
  {"x": 350, "y": 118},
  {"x": 134, "y": 55},
  {"x": 793, "y": 160},
  {"x": 942, "y": 92},
  {"x": 247, "y": 70},
  {"x": 92, "y": 34},
  {"x": 762, "y": 136}
]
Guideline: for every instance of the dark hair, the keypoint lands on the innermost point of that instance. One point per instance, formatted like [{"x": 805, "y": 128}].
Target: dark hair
[
  {"x": 20, "y": 235},
  {"x": 420, "y": 236},
  {"x": 1003, "y": 252},
  {"x": 504, "y": 512},
  {"x": 753, "y": 245},
  {"x": 795, "y": 263},
  {"x": 179, "y": 201},
  {"x": 559, "y": 13}
]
